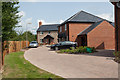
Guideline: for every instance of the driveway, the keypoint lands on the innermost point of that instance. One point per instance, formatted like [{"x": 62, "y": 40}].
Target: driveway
[{"x": 72, "y": 66}]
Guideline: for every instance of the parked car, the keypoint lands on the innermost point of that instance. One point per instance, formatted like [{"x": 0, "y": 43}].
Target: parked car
[
  {"x": 64, "y": 45},
  {"x": 33, "y": 44}
]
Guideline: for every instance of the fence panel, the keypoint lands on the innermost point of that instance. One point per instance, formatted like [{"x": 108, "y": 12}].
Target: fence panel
[{"x": 15, "y": 46}]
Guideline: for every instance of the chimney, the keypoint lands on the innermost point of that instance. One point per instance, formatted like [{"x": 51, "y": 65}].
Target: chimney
[{"x": 40, "y": 23}]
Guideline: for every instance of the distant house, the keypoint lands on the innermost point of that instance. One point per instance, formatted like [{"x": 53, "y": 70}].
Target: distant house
[
  {"x": 87, "y": 30},
  {"x": 47, "y": 34}
]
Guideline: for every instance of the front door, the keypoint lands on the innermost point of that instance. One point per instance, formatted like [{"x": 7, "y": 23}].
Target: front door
[
  {"x": 83, "y": 41},
  {"x": 49, "y": 41}
]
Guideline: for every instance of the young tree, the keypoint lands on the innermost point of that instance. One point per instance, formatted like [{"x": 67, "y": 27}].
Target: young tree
[{"x": 10, "y": 19}]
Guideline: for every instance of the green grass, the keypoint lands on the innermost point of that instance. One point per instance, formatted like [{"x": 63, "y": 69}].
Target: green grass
[{"x": 17, "y": 67}]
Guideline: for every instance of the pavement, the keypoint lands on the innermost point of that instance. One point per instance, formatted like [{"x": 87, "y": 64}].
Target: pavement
[{"x": 71, "y": 65}]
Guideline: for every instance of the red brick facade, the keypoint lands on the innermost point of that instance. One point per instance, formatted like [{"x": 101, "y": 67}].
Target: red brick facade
[
  {"x": 102, "y": 37},
  {"x": 75, "y": 29}
]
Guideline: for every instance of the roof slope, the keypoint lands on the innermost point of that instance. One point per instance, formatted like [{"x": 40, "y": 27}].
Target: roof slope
[
  {"x": 51, "y": 27},
  {"x": 83, "y": 16},
  {"x": 87, "y": 30},
  {"x": 90, "y": 28}
]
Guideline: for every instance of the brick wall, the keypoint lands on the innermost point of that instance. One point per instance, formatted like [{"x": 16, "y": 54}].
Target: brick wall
[
  {"x": 102, "y": 36},
  {"x": 75, "y": 29}
]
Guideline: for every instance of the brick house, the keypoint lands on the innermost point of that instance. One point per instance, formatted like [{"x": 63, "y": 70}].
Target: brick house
[
  {"x": 47, "y": 34},
  {"x": 87, "y": 30}
]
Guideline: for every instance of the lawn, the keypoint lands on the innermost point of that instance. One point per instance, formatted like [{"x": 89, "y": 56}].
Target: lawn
[{"x": 17, "y": 67}]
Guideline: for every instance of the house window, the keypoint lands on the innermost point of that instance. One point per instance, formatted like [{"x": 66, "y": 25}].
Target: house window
[
  {"x": 49, "y": 32},
  {"x": 60, "y": 29},
  {"x": 41, "y": 33},
  {"x": 41, "y": 40},
  {"x": 65, "y": 27},
  {"x": 67, "y": 38}
]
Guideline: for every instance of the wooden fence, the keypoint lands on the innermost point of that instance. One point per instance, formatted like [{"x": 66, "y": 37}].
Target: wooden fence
[{"x": 14, "y": 46}]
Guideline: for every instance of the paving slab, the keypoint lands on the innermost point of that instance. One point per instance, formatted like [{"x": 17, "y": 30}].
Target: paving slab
[{"x": 72, "y": 66}]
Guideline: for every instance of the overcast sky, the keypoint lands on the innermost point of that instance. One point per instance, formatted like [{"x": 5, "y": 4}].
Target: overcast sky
[{"x": 57, "y": 12}]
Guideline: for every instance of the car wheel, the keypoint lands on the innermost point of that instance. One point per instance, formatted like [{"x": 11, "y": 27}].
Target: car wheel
[{"x": 56, "y": 48}]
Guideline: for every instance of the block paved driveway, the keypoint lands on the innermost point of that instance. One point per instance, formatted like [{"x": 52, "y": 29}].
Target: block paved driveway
[{"x": 72, "y": 66}]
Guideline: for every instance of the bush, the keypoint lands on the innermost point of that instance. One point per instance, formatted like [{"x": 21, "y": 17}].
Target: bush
[
  {"x": 67, "y": 50},
  {"x": 80, "y": 49},
  {"x": 117, "y": 56},
  {"x": 62, "y": 51},
  {"x": 93, "y": 49}
]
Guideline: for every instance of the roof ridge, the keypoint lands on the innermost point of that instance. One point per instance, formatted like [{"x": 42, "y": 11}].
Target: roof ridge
[
  {"x": 93, "y": 15},
  {"x": 75, "y": 15},
  {"x": 49, "y": 24},
  {"x": 96, "y": 16}
]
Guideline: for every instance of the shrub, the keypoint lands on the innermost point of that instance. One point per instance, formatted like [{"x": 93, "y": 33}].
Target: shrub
[
  {"x": 117, "y": 56},
  {"x": 80, "y": 49},
  {"x": 67, "y": 50},
  {"x": 62, "y": 51},
  {"x": 93, "y": 49}
]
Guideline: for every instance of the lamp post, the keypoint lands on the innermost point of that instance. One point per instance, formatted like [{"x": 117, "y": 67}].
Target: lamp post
[{"x": 27, "y": 35}]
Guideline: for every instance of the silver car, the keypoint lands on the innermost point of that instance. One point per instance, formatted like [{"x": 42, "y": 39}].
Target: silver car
[{"x": 33, "y": 44}]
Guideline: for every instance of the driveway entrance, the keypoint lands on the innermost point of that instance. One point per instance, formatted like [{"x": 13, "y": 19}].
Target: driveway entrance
[{"x": 72, "y": 66}]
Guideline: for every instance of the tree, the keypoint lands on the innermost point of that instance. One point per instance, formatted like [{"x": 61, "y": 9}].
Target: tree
[
  {"x": 10, "y": 19},
  {"x": 30, "y": 36}
]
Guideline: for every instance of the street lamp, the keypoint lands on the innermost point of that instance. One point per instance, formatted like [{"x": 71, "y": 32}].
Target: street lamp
[{"x": 26, "y": 35}]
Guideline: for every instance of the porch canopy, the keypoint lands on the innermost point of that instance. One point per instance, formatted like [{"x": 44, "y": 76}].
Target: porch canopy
[{"x": 48, "y": 36}]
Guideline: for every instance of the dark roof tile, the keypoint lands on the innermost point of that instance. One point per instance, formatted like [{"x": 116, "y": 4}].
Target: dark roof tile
[
  {"x": 51, "y": 27},
  {"x": 83, "y": 16}
]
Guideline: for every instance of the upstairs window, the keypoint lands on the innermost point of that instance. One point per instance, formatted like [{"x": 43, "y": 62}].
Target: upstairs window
[
  {"x": 41, "y": 33},
  {"x": 65, "y": 27},
  {"x": 49, "y": 32},
  {"x": 60, "y": 29}
]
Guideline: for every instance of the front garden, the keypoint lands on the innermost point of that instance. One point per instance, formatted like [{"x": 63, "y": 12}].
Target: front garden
[
  {"x": 82, "y": 49},
  {"x": 17, "y": 67}
]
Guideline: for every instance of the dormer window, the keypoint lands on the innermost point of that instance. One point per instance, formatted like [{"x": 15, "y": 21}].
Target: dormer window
[{"x": 65, "y": 27}]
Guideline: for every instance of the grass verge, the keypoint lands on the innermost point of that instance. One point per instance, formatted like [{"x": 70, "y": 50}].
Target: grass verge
[{"x": 17, "y": 67}]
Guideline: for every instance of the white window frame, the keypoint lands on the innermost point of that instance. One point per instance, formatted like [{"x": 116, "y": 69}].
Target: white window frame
[
  {"x": 41, "y": 33},
  {"x": 61, "y": 29},
  {"x": 65, "y": 27},
  {"x": 41, "y": 40}
]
